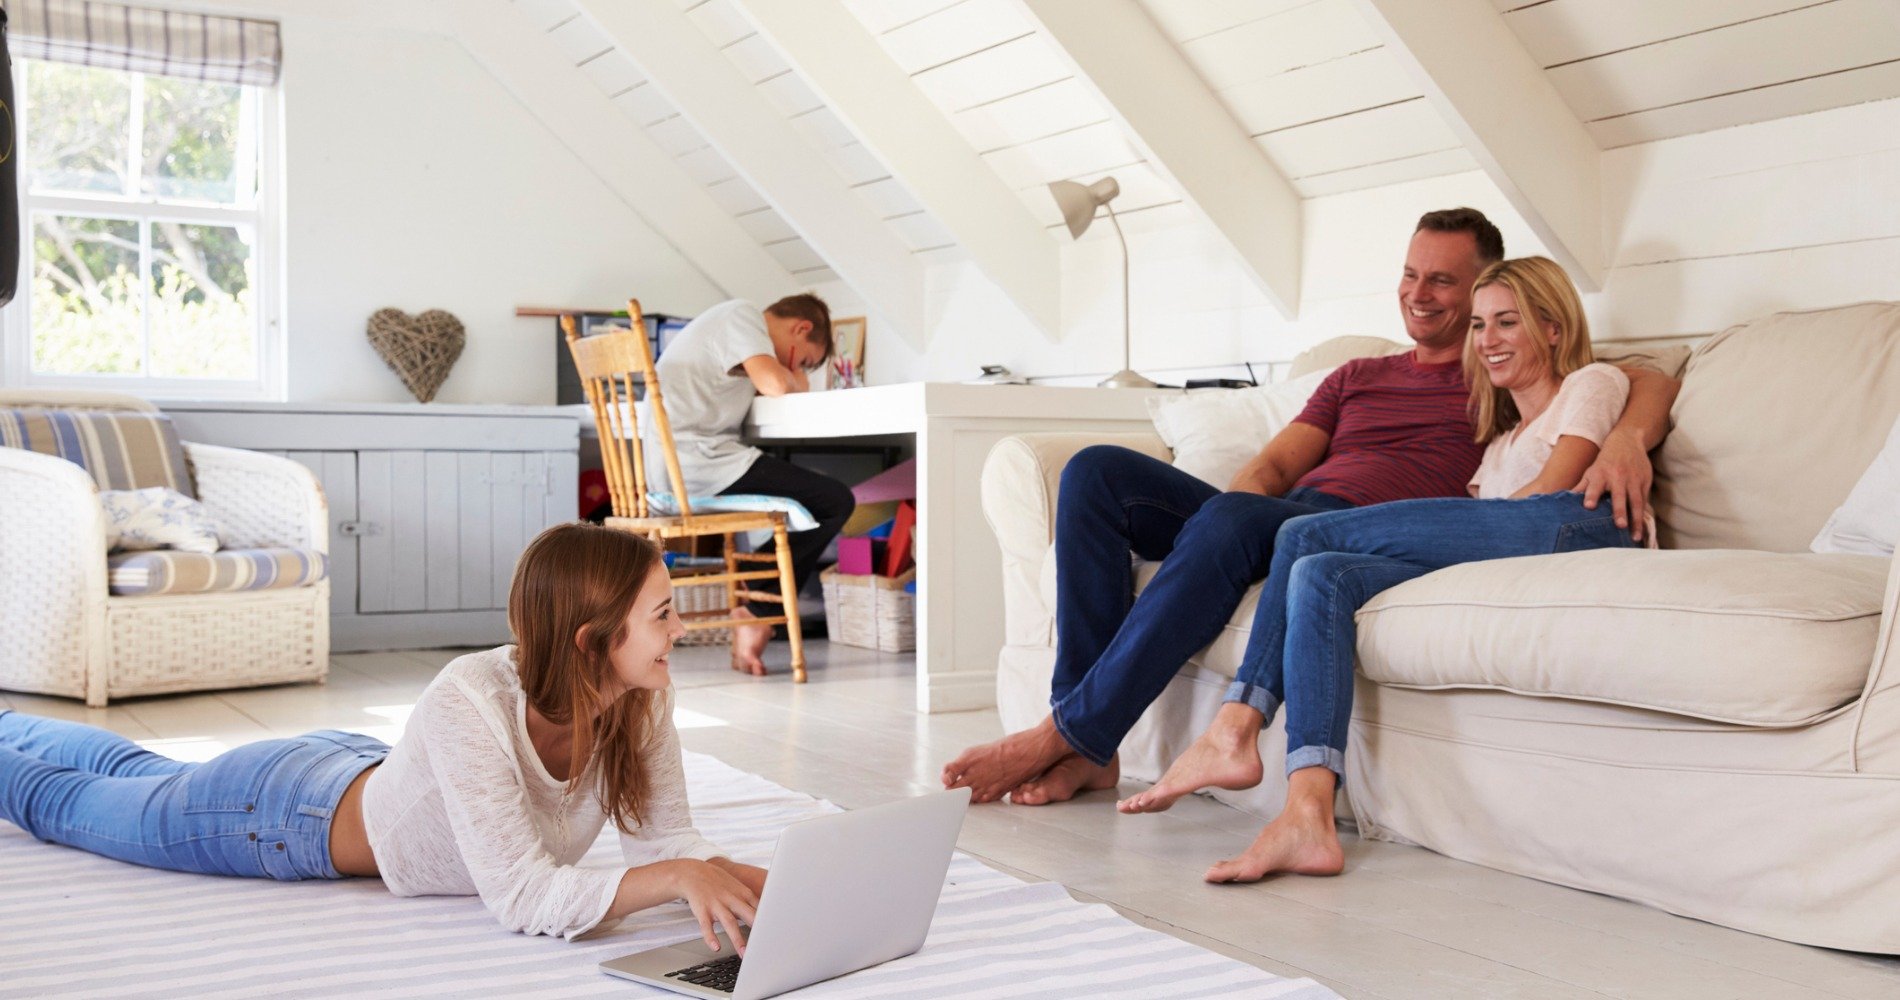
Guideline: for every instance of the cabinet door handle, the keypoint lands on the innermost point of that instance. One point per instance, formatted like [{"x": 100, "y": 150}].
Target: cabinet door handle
[{"x": 357, "y": 529}]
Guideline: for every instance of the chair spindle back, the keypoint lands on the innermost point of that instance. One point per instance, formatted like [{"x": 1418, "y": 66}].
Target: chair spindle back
[{"x": 610, "y": 365}]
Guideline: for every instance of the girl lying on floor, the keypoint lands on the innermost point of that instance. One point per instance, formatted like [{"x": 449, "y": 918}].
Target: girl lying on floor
[{"x": 510, "y": 766}]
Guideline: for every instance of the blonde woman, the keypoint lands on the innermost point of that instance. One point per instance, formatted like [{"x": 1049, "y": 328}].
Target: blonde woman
[
  {"x": 511, "y": 764},
  {"x": 1542, "y": 407}
]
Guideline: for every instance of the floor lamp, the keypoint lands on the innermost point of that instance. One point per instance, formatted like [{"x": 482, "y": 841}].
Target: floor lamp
[{"x": 1078, "y": 203}]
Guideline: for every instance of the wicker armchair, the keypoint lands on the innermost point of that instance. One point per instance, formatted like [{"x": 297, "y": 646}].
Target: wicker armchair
[{"x": 64, "y": 634}]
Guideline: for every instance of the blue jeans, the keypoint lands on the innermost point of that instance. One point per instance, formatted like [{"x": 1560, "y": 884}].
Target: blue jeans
[
  {"x": 260, "y": 811},
  {"x": 1325, "y": 567},
  {"x": 1115, "y": 654}
]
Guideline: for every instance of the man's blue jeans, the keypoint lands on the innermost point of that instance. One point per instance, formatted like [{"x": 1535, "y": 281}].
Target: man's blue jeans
[
  {"x": 1115, "y": 654},
  {"x": 262, "y": 810},
  {"x": 1326, "y": 566}
]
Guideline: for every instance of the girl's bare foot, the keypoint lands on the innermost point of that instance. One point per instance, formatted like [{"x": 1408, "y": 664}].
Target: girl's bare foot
[
  {"x": 748, "y": 644},
  {"x": 1065, "y": 779},
  {"x": 1226, "y": 756}
]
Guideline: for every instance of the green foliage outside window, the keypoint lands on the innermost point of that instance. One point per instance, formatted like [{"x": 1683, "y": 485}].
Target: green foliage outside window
[{"x": 140, "y": 294}]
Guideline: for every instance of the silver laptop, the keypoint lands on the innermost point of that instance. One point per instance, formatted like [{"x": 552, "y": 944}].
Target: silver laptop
[{"x": 846, "y": 892}]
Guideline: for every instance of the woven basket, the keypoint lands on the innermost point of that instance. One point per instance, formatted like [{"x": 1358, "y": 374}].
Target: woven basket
[
  {"x": 689, "y": 597},
  {"x": 870, "y": 611}
]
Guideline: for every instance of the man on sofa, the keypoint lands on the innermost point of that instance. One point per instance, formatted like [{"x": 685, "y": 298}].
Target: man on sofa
[{"x": 1376, "y": 430}]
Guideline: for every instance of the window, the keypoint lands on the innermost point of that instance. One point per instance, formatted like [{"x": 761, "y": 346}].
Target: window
[{"x": 148, "y": 229}]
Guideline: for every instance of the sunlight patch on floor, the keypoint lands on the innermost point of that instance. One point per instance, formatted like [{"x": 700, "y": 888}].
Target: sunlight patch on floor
[
  {"x": 686, "y": 718},
  {"x": 193, "y": 749}
]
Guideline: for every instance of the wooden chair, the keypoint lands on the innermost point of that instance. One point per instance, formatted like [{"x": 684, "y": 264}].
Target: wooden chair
[{"x": 610, "y": 365}]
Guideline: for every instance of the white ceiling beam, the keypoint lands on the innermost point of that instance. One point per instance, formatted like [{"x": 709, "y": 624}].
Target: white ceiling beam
[
  {"x": 1185, "y": 133},
  {"x": 828, "y": 45},
  {"x": 618, "y": 151},
  {"x": 1504, "y": 108},
  {"x": 736, "y": 119}
]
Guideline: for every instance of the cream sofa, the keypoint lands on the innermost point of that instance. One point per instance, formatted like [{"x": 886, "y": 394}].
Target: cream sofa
[{"x": 1713, "y": 729}]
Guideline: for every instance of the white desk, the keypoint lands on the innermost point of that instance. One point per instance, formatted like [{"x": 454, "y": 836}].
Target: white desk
[{"x": 959, "y": 568}]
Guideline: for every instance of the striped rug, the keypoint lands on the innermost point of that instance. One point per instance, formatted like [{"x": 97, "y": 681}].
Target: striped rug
[{"x": 74, "y": 925}]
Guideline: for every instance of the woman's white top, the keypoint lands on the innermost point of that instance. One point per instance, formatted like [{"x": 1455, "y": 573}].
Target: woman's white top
[
  {"x": 464, "y": 806},
  {"x": 1587, "y": 405}
]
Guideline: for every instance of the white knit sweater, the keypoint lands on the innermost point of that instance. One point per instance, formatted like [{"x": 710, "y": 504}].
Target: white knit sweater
[{"x": 464, "y": 806}]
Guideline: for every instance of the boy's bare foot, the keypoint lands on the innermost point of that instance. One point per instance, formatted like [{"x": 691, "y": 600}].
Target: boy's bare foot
[
  {"x": 1227, "y": 756},
  {"x": 1301, "y": 840},
  {"x": 748, "y": 644},
  {"x": 992, "y": 769},
  {"x": 1065, "y": 778}
]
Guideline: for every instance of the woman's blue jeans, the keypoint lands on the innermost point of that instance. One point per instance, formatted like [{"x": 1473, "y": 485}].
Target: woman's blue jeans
[
  {"x": 262, "y": 810},
  {"x": 1326, "y": 566},
  {"x": 1115, "y": 654}
]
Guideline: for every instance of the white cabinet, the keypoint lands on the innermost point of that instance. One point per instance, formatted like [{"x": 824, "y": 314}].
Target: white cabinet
[{"x": 430, "y": 506}]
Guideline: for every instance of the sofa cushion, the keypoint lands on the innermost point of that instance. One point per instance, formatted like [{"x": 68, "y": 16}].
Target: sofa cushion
[
  {"x": 1756, "y": 638},
  {"x": 142, "y": 574},
  {"x": 157, "y": 518},
  {"x": 1869, "y": 522},
  {"x": 1214, "y": 432},
  {"x": 120, "y": 449},
  {"x": 1776, "y": 420}
]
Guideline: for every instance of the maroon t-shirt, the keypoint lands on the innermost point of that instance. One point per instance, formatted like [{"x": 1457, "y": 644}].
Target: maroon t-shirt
[{"x": 1400, "y": 431}]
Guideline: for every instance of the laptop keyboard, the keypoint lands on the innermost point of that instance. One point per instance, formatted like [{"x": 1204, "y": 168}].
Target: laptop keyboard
[{"x": 719, "y": 974}]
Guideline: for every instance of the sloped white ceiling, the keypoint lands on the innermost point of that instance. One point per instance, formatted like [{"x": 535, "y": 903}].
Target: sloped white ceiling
[
  {"x": 1640, "y": 70},
  {"x": 1007, "y": 89},
  {"x": 1310, "y": 82}
]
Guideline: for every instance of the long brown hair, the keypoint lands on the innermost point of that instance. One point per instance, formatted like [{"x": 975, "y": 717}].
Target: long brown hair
[
  {"x": 581, "y": 580},
  {"x": 1543, "y": 292}
]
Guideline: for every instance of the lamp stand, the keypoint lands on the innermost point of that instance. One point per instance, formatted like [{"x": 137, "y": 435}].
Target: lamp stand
[{"x": 1127, "y": 378}]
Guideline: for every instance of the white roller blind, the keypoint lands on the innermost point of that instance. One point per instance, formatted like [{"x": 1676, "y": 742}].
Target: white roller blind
[{"x": 146, "y": 40}]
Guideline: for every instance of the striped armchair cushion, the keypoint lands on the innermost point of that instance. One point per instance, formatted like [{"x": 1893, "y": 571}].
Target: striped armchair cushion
[
  {"x": 164, "y": 571},
  {"x": 122, "y": 450}
]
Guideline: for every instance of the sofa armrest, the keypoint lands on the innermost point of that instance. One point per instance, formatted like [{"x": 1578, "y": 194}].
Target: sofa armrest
[
  {"x": 261, "y": 501},
  {"x": 1877, "y": 722},
  {"x": 52, "y": 574},
  {"x": 1021, "y": 478}
]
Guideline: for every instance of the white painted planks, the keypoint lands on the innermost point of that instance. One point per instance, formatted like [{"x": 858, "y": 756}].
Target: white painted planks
[
  {"x": 441, "y": 530},
  {"x": 1834, "y": 36},
  {"x": 1563, "y": 31}
]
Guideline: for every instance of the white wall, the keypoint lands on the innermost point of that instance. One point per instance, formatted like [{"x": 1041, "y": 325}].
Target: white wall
[
  {"x": 1707, "y": 231},
  {"x": 415, "y": 180}
]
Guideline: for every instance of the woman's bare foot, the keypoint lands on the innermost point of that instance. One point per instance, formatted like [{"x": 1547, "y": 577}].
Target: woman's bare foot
[
  {"x": 1066, "y": 778},
  {"x": 748, "y": 644},
  {"x": 992, "y": 769},
  {"x": 1226, "y": 756},
  {"x": 1301, "y": 840}
]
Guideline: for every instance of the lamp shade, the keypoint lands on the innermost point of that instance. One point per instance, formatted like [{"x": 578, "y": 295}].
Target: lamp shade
[{"x": 1078, "y": 202}]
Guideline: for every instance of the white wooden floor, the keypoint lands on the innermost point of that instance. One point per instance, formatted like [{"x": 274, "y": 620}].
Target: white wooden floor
[{"x": 1402, "y": 923}]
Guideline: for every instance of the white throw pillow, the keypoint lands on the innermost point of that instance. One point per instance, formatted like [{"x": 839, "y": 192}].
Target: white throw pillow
[
  {"x": 1869, "y": 522},
  {"x": 157, "y": 518},
  {"x": 1213, "y": 432}
]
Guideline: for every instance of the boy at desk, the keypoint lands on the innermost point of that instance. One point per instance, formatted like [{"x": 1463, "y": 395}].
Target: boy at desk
[{"x": 710, "y": 372}]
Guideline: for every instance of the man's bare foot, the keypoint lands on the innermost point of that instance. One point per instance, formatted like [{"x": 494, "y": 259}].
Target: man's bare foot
[
  {"x": 1065, "y": 778},
  {"x": 991, "y": 770},
  {"x": 1300, "y": 840},
  {"x": 748, "y": 644},
  {"x": 1226, "y": 756}
]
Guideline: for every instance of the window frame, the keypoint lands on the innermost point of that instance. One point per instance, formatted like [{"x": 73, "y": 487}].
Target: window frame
[{"x": 16, "y": 318}]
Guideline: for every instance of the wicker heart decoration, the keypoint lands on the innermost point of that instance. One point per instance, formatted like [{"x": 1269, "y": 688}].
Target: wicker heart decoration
[{"x": 419, "y": 349}]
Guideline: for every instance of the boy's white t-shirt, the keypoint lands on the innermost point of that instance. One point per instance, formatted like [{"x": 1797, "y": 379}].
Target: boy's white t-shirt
[{"x": 707, "y": 395}]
